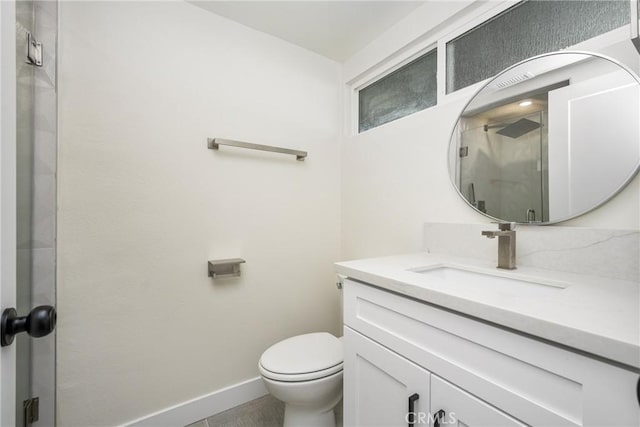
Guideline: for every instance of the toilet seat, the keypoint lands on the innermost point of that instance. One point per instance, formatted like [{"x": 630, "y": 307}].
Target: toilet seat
[
  {"x": 302, "y": 358},
  {"x": 307, "y": 376}
]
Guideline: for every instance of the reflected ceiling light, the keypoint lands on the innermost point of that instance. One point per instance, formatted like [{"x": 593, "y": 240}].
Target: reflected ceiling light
[{"x": 525, "y": 103}]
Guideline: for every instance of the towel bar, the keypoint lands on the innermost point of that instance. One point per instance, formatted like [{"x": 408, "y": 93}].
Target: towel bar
[{"x": 215, "y": 143}]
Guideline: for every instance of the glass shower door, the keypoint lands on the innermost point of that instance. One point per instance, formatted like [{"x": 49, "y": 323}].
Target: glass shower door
[
  {"x": 505, "y": 158},
  {"x": 36, "y": 123}
]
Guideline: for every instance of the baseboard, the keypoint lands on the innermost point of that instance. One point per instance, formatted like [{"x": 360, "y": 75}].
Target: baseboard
[{"x": 204, "y": 406}]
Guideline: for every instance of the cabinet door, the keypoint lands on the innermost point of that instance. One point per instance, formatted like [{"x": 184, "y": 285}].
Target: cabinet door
[
  {"x": 462, "y": 409},
  {"x": 379, "y": 383}
]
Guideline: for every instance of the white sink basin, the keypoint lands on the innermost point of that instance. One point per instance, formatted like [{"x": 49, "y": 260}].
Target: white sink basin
[{"x": 499, "y": 279}]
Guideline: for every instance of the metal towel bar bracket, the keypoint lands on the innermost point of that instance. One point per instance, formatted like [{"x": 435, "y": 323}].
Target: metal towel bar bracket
[{"x": 215, "y": 143}]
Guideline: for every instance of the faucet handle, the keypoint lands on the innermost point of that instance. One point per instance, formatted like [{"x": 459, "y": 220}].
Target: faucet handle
[{"x": 489, "y": 233}]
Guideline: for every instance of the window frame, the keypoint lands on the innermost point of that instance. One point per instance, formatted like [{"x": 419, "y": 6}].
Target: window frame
[
  {"x": 594, "y": 44},
  {"x": 407, "y": 60},
  {"x": 635, "y": 23},
  {"x": 457, "y": 26}
]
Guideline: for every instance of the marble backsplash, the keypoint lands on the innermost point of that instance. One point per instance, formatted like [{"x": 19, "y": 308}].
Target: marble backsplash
[{"x": 604, "y": 253}]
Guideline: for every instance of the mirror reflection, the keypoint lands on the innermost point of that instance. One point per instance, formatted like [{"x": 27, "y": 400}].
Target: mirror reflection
[{"x": 548, "y": 139}]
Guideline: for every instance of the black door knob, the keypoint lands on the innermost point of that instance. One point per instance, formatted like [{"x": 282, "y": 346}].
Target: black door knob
[{"x": 41, "y": 321}]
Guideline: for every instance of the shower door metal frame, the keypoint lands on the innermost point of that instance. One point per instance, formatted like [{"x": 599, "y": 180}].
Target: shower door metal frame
[{"x": 7, "y": 200}]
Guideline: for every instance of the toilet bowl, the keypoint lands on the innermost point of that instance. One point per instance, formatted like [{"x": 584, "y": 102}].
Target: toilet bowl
[{"x": 305, "y": 372}]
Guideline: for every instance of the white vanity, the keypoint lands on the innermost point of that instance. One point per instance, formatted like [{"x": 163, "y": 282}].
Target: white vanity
[
  {"x": 432, "y": 339},
  {"x": 487, "y": 347}
]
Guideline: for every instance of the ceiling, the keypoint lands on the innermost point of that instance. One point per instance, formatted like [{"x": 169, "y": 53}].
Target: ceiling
[{"x": 335, "y": 29}]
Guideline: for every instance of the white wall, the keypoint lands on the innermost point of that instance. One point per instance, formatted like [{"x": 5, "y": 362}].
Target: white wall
[
  {"x": 143, "y": 204},
  {"x": 395, "y": 176}
]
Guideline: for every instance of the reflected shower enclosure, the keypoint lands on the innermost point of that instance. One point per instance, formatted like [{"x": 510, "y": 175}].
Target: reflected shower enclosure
[
  {"x": 502, "y": 167},
  {"x": 548, "y": 139}
]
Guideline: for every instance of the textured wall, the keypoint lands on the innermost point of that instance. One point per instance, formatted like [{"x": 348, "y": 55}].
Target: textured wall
[{"x": 143, "y": 204}]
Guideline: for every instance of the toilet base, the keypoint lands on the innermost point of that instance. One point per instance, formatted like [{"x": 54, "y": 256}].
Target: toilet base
[
  {"x": 308, "y": 403},
  {"x": 299, "y": 416}
]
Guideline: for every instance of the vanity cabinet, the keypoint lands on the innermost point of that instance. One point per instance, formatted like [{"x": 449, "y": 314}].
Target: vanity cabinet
[
  {"x": 460, "y": 408},
  {"x": 380, "y": 384},
  {"x": 480, "y": 374},
  {"x": 382, "y": 387}
]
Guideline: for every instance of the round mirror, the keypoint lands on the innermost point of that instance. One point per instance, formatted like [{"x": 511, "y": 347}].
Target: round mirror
[{"x": 548, "y": 139}]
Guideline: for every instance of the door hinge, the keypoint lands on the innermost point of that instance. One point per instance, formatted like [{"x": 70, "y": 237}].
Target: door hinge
[
  {"x": 464, "y": 151},
  {"x": 34, "y": 51},
  {"x": 31, "y": 410}
]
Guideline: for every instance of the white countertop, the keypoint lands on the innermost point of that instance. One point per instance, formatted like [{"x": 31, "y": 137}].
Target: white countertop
[{"x": 597, "y": 315}]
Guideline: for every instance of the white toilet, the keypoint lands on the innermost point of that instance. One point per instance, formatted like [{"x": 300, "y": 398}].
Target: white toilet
[{"x": 305, "y": 372}]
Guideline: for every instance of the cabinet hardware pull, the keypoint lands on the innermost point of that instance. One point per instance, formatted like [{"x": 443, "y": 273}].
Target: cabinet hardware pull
[
  {"x": 638, "y": 391},
  {"x": 411, "y": 418},
  {"x": 438, "y": 417}
]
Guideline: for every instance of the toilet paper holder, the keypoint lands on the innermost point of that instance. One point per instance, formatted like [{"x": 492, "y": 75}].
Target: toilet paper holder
[{"x": 221, "y": 268}]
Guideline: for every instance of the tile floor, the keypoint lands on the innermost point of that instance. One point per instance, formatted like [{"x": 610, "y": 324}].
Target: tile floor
[{"x": 263, "y": 412}]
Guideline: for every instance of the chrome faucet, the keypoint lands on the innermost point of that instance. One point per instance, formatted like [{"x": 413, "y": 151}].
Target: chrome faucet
[{"x": 506, "y": 244}]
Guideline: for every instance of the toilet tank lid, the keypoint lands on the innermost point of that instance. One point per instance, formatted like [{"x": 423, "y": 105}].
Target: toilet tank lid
[{"x": 303, "y": 354}]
